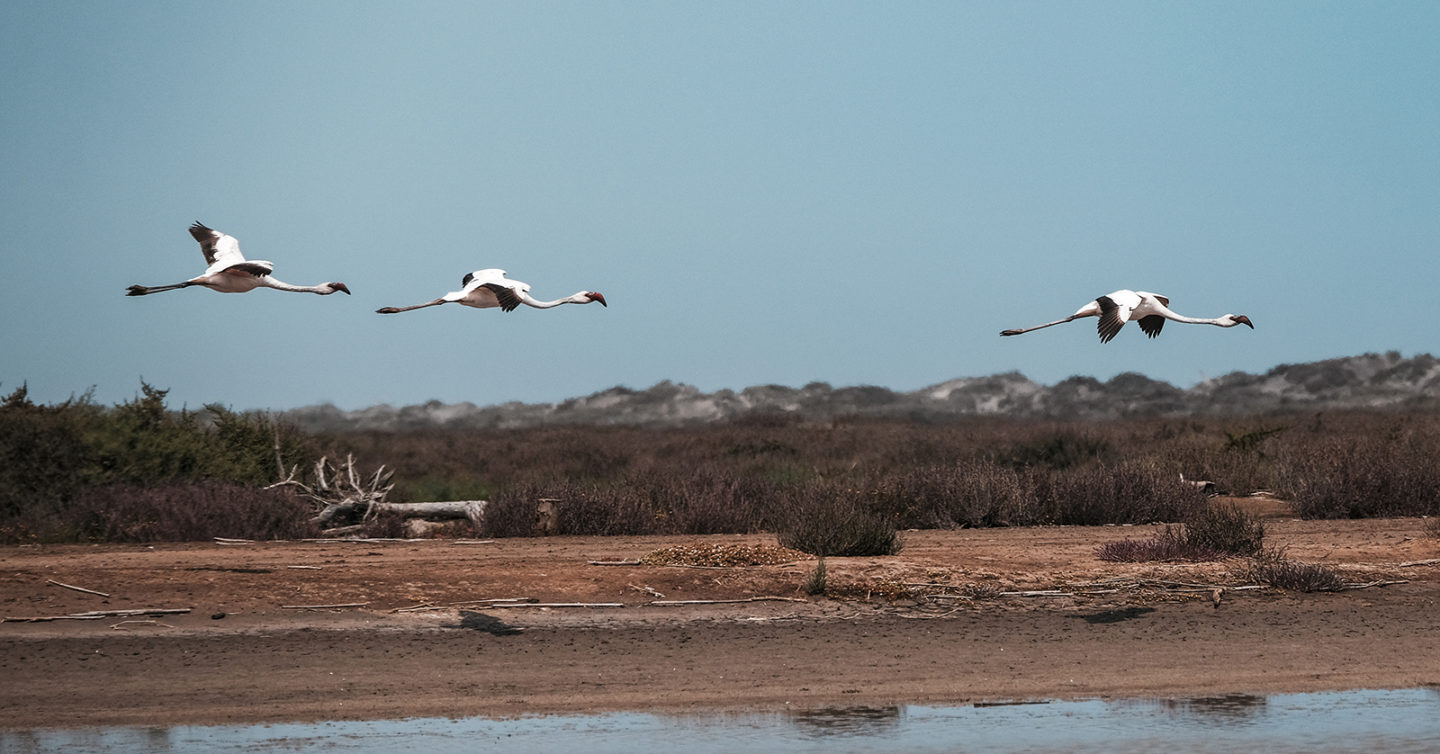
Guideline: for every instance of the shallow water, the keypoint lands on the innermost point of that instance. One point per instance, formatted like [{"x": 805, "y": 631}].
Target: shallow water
[{"x": 1376, "y": 722}]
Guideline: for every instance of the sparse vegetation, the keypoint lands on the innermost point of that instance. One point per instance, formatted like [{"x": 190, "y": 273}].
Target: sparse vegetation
[{"x": 827, "y": 486}]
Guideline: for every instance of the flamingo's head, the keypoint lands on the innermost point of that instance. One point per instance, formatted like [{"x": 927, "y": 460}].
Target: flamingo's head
[
  {"x": 1241, "y": 319},
  {"x": 595, "y": 296},
  {"x": 339, "y": 287}
]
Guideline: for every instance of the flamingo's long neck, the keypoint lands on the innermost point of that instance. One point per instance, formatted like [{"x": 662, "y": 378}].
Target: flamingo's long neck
[
  {"x": 526, "y": 299},
  {"x": 1218, "y": 322},
  {"x": 280, "y": 285}
]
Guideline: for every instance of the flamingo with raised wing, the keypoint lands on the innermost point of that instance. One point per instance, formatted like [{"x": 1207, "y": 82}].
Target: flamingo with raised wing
[{"x": 230, "y": 272}]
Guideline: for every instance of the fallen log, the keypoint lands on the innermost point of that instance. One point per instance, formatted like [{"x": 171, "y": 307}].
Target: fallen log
[
  {"x": 323, "y": 607},
  {"x": 473, "y": 510}
]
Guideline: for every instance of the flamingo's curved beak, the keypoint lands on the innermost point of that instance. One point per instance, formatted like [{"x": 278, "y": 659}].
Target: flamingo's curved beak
[
  {"x": 340, "y": 287},
  {"x": 595, "y": 296}
]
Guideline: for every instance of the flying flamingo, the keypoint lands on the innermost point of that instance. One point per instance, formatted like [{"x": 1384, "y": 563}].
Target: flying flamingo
[
  {"x": 230, "y": 272},
  {"x": 1150, "y": 309},
  {"x": 487, "y": 289}
]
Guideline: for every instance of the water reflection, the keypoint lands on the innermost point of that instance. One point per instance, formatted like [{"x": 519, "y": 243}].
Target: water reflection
[
  {"x": 1228, "y": 709},
  {"x": 847, "y": 721},
  {"x": 1378, "y": 722}
]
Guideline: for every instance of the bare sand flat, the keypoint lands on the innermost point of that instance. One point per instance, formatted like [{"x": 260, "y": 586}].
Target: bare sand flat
[{"x": 245, "y": 654}]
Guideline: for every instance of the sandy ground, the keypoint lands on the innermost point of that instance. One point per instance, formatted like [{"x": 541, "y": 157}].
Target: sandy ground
[{"x": 245, "y": 653}]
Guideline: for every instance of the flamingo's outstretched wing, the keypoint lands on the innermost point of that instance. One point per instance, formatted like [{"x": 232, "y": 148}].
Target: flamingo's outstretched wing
[{"x": 217, "y": 247}]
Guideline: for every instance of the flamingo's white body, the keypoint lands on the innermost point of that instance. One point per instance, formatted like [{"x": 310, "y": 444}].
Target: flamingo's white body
[
  {"x": 1149, "y": 310},
  {"x": 230, "y": 272},
  {"x": 488, "y": 289}
]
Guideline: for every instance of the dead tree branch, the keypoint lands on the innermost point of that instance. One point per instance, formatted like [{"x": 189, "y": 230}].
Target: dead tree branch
[{"x": 346, "y": 498}]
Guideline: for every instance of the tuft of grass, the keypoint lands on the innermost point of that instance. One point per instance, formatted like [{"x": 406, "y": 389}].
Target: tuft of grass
[{"x": 816, "y": 584}]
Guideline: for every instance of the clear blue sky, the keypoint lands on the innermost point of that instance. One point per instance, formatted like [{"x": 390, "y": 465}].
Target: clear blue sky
[{"x": 766, "y": 192}]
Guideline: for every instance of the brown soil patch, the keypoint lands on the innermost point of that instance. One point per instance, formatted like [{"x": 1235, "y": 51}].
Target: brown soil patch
[{"x": 938, "y": 623}]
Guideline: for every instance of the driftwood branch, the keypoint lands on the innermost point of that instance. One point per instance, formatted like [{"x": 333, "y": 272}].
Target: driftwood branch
[
  {"x": 669, "y": 603},
  {"x": 125, "y": 624},
  {"x": 466, "y": 603},
  {"x": 557, "y": 604},
  {"x": 76, "y": 588},
  {"x": 323, "y": 607},
  {"x": 98, "y": 614},
  {"x": 1371, "y": 584}
]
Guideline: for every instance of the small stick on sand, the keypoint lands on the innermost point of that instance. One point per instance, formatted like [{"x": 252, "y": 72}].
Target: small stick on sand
[
  {"x": 668, "y": 603},
  {"x": 76, "y": 588}
]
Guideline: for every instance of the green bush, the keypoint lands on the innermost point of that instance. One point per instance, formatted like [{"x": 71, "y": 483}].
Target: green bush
[{"x": 57, "y": 461}]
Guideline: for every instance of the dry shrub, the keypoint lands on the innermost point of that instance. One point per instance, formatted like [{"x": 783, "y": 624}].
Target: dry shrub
[
  {"x": 1369, "y": 471},
  {"x": 1213, "y": 532},
  {"x": 966, "y": 494},
  {"x": 1171, "y": 546},
  {"x": 580, "y": 509},
  {"x": 1062, "y": 450},
  {"x": 1225, "y": 528},
  {"x": 825, "y": 518},
  {"x": 190, "y": 512},
  {"x": 1294, "y": 576},
  {"x": 1127, "y": 493}
]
